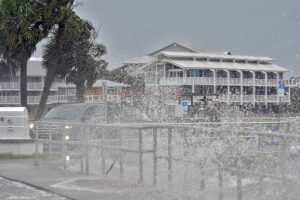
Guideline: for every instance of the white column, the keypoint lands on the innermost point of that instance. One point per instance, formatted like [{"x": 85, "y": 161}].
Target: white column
[
  {"x": 215, "y": 80},
  {"x": 241, "y": 85},
  {"x": 266, "y": 88},
  {"x": 228, "y": 86},
  {"x": 289, "y": 94},
  {"x": 156, "y": 81},
  {"x": 277, "y": 78},
  {"x": 253, "y": 79}
]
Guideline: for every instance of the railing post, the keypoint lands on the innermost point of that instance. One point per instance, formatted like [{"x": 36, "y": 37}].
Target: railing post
[
  {"x": 154, "y": 156},
  {"x": 220, "y": 180},
  {"x": 36, "y": 140},
  {"x": 50, "y": 142},
  {"x": 185, "y": 155},
  {"x": 238, "y": 173},
  {"x": 170, "y": 157},
  {"x": 121, "y": 154},
  {"x": 261, "y": 177},
  {"x": 284, "y": 154},
  {"x": 81, "y": 149},
  {"x": 141, "y": 167},
  {"x": 103, "y": 153},
  {"x": 86, "y": 147},
  {"x": 64, "y": 149}
]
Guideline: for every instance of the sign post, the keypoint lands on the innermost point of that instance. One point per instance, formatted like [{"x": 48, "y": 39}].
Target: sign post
[{"x": 281, "y": 88}]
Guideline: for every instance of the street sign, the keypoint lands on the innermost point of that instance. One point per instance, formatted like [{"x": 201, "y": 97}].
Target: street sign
[
  {"x": 281, "y": 85},
  {"x": 184, "y": 104},
  {"x": 281, "y": 88}
]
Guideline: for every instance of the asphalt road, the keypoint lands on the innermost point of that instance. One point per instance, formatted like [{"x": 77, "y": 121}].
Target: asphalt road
[{"x": 11, "y": 190}]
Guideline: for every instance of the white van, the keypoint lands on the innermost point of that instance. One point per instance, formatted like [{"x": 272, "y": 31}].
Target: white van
[{"x": 14, "y": 123}]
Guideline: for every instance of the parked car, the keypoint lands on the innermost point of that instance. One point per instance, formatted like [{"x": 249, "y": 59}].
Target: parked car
[
  {"x": 69, "y": 118},
  {"x": 81, "y": 112},
  {"x": 65, "y": 122}
]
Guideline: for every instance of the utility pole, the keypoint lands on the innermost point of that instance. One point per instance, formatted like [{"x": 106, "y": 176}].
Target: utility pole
[{"x": 104, "y": 91}]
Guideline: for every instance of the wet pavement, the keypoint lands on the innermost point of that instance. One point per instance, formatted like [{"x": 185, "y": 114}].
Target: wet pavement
[
  {"x": 11, "y": 190},
  {"x": 69, "y": 184}
]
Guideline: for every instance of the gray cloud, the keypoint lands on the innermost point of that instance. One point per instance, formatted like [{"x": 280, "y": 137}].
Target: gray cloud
[{"x": 248, "y": 27}]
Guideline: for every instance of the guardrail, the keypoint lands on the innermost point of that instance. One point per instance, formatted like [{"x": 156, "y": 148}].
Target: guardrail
[{"x": 183, "y": 154}]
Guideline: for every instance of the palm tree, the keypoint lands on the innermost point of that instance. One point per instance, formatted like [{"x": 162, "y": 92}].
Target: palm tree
[
  {"x": 76, "y": 57},
  {"x": 23, "y": 24}
]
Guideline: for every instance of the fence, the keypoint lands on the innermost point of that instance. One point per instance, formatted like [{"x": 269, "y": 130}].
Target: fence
[{"x": 228, "y": 160}]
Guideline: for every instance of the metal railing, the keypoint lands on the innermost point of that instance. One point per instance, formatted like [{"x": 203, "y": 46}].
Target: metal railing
[
  {"x": 222, "y": 81},
  {"x": 209, "y": 156},
  {"x": 93, "y": 98}
]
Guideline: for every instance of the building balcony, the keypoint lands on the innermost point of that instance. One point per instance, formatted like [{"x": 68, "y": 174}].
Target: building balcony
[
  {"x": 93, "y": 98},
  {"x": 173, "y": 81},
  {"x": 258, "y": 99},
  {"x": 30, "y": 86},
  {"x": 116, "y": 98},
  {"x": 31, "y": 100},
  {"x": 187, "y": 81}
]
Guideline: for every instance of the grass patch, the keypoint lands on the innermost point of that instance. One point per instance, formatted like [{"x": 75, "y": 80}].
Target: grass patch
[{"x": 9, "y": 156}]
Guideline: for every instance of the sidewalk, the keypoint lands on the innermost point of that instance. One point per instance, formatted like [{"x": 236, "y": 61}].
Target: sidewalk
[{"x": 74, "y": 185}]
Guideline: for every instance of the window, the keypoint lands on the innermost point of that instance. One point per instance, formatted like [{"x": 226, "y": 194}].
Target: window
[
  {"x": 194, "y": 73},
  {"x": 207, "y": 73},
  {"x": 175, "y": 73},
  {"x": 214, "y": 60},
  {"x": 71, "y": 92},
  {"x": 227, "y": 60},
  {"x": 252, "y": 61},
  {"x": 62, "y": 91},
  {"x": 240, "y": 61}
]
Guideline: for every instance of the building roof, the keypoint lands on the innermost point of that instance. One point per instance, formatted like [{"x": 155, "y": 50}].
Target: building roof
[
  {"x": 138, "y": 60},
  {"x": 174, "y": 44},
  {"x": 213, "y": 55},
  {"x": 190, "y": 64}
]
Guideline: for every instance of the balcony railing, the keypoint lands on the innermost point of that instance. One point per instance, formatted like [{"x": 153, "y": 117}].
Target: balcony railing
[
  {"x": 30, "y": 85},
  {"x": 258, "y": 98},
  {"x": 219, "y": 81},
  {"x": 30, "y": 99},
  {"x": 248, "y": 81},
  {"x": 93, "y": 98},
  {"x": 187, "y": 81}
]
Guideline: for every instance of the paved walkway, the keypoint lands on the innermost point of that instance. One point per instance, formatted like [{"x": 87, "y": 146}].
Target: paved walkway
[{"x": 74, "y": 185}]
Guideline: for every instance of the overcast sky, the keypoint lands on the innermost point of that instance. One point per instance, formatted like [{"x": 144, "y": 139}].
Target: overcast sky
[{"x": 248, "y": 27}]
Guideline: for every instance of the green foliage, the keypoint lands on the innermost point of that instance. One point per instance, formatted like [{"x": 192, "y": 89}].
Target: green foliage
[
  {"x": 122, "y": 76},
  {"x": 78, "y": 57},
  {"x": 23, "y": 24},
  {"x": 295, "y": 100},
  {"x": 9, "y": 156}
]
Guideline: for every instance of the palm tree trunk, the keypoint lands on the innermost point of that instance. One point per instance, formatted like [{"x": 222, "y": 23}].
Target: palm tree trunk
[
  {"x": 80, "y": 92},
  {"x": 51, "y": 73},
  {"x": 23, "y": 80}
]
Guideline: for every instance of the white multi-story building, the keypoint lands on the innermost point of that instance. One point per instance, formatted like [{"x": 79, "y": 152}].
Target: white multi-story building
[
  {"x": 60, "y": 91},
  {"x": 234, "y": 78}
]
